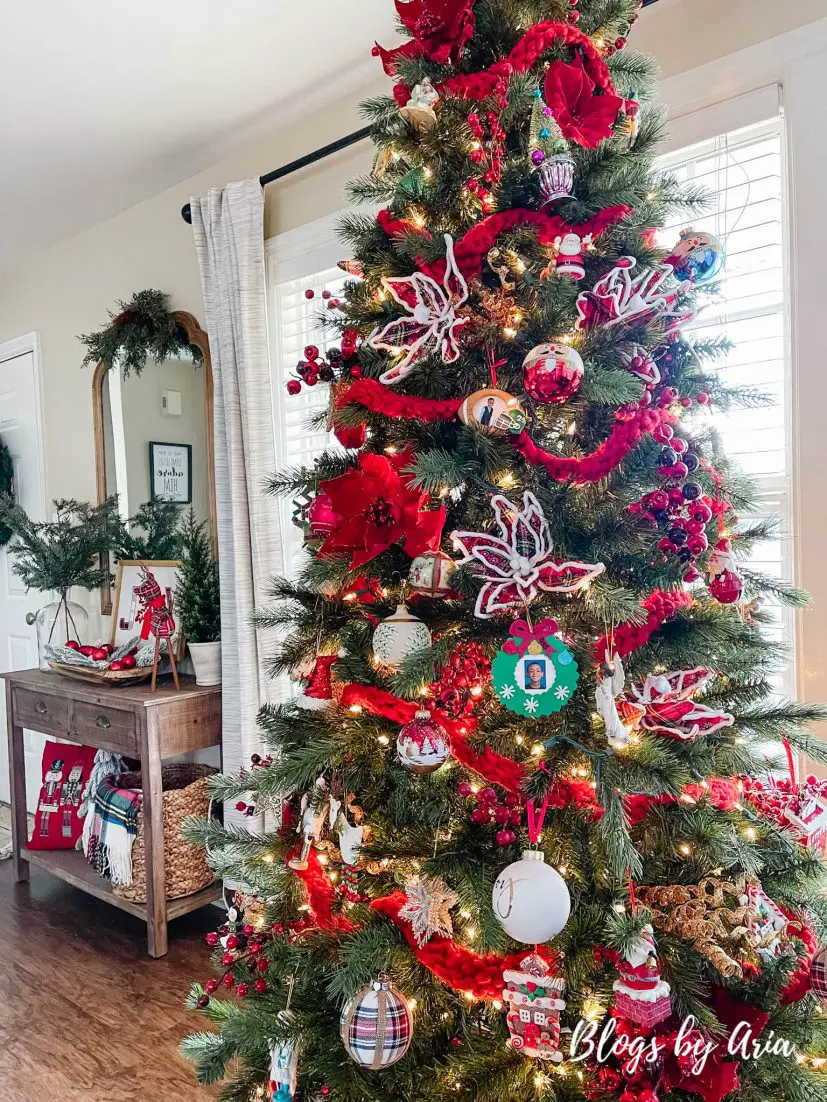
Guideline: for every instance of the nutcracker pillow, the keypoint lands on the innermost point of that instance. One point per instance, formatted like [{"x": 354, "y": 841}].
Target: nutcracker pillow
[{"x": 66, "y": 770}]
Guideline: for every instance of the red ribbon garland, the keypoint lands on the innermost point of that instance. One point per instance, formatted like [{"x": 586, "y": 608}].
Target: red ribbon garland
[
  {"x": 624, "y": 437},
  {"x": 460, "y": 967},
  {"x": 534, "y": 43},
  {"x": 378, "y": 398},
  {"x": 473, "y": 247},
  {"x": 661, "y": 605}
]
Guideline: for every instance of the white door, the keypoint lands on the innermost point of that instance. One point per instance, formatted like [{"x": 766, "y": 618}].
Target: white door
[{"x": 20, "y": 431}]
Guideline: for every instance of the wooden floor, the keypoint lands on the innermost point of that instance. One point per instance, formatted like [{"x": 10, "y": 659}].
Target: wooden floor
[{"x": 85, "y": 1015}]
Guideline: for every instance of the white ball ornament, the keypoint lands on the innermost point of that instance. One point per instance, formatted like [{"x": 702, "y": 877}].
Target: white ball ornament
[
  {"x": 399, "y": 635},
  {"x": 531, "y": 900}
]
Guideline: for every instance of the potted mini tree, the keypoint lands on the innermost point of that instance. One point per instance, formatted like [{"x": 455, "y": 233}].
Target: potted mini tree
[{"x": 198, "y": 601}]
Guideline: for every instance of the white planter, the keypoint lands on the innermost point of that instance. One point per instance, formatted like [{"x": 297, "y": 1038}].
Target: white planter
[{"x": 206, "y": 660}]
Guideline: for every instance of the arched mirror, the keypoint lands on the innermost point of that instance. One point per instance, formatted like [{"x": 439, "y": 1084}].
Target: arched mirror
[{"x": 154, "y": 435}]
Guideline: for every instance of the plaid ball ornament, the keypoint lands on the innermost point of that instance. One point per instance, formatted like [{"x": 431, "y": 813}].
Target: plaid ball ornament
[
  {"x": 818, "y": 974},
  {"x": 377, "y": 1025}
]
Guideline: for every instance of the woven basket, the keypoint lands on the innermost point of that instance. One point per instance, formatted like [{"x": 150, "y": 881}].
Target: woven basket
[{"x": 185, "y": 866}]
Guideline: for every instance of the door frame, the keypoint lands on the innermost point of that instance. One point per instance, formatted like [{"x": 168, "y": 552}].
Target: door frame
[{"x": 10, "y": 350}]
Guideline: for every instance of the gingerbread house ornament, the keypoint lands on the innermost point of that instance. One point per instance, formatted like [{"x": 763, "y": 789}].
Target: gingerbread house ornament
[
  {"x": 534, "y": 999},
  {"x": 810, "y": 823}
]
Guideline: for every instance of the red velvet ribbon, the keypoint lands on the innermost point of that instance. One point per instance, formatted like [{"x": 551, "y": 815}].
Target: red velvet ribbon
[{"x": 624, "y": 437}]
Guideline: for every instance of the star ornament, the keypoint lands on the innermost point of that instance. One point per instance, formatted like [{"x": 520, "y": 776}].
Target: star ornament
[
  {"x": 429, "y": 908},
  {"x": 514, "y": 562},
  {"x": 431, "y": 323}
]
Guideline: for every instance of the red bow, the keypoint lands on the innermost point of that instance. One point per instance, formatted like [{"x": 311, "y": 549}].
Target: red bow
[{"x": 525, "y": 634}]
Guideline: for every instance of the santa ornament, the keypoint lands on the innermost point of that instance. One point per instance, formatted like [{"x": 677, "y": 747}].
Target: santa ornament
[
  {"x": 534, "y": 999},
  {"x": 698, "y": 256},
  {"x": 570, "y": 248},
  {"x": 423, "y": 745},
  {"x": 641, "y": 995},
  {"x": 376, "y": 1026},
  {"x": 725, "y": 583},
  {"x": 552, "y": 373},
  {"x": 318, "y": 693}
]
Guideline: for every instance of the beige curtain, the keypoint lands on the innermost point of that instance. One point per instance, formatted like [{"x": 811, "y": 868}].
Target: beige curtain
[{"x": 228, "y": 225}]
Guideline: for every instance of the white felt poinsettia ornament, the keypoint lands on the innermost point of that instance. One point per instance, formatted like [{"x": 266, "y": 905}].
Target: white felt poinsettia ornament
[
  {"x": 515, "y": 561},
  {"x": 431, "y": 324}
]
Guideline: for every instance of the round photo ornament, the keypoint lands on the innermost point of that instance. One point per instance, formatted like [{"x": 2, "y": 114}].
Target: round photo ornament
[
  {"x": 534, "y": 673},
  {"x": 493, "y": 411}
]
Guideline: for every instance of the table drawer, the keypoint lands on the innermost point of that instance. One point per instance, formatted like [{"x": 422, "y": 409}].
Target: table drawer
[
  {"x": 40, "y": 712},
  {"x": 99, "y": 724}
]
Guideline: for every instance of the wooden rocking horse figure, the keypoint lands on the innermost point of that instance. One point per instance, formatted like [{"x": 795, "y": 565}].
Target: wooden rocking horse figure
[{"x": 156, "y": 614}]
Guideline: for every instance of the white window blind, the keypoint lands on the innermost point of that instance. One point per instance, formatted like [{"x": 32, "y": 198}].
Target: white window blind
[{"x": 744, "y": 172}]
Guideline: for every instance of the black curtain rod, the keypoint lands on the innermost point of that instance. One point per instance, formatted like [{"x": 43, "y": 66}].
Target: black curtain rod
[
  {"x": 316, "y": 156},
  {"x": 301, "y": 162}
]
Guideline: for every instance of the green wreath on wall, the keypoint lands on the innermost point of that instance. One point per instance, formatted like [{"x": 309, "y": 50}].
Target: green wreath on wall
[
  {"x": 6, "y": 487},
  {"x": 139, "y": 329}
]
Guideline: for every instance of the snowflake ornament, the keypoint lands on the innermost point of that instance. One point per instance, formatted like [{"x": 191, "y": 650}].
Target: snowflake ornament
[
  {"x": 429, "y": 908},
  {"x": 431, "y": 324},
  {"x": 515, "y": 563}
]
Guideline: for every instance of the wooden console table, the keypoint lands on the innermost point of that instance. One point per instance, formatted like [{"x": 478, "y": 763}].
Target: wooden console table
[{"x": 130, "y": 721}]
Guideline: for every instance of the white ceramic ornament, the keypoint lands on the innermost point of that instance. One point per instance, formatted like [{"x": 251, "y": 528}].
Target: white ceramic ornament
[
  {"x": 399, "y": 635},
  {"x": 531, "y": 900}
]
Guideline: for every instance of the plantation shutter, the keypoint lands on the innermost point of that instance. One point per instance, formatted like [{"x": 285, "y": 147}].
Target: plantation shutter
[
  {"x": 298, "y": 444},
  {"x": 744, "y": 172}
]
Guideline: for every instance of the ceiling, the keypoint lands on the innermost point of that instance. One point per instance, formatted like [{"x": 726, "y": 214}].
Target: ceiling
[{"x": 107, "y": 102}]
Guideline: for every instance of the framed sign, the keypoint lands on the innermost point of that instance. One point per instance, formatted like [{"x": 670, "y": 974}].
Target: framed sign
[{"x": 170, "y": 471}]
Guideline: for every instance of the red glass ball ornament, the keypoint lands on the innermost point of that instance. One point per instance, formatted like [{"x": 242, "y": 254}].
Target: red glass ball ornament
[
  {"x": 423, "y": 745},
  {"x": 726, "y": 587},
  {"x": 322, "y": 517},
  {"x": 552, "y": 373}
]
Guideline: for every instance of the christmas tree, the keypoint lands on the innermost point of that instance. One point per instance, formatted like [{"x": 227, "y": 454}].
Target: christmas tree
[{"x": 523, "y": 800}]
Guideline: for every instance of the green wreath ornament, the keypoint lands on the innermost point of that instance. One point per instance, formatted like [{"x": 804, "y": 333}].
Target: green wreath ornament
[{"x": 534, "y": 673}]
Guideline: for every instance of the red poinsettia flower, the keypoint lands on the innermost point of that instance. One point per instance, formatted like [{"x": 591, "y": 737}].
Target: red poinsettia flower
[
  {"x": 377, "y": 508},
  {"x": 439, "y": 30},
  {"x": 583, "y": 116}
]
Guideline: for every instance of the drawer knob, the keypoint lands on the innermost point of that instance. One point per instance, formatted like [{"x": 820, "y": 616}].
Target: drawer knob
[
  {"x": 41, "y": 708},
  {"x": 103, "y": 722}
]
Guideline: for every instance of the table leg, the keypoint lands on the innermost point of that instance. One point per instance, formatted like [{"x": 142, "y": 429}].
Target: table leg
[
  {"x": 153, "y": 808},
  {"x": 17, "y": 785}
]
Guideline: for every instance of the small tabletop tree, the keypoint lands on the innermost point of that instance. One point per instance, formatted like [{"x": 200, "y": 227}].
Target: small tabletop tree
[{"x": 198, "y": 594}]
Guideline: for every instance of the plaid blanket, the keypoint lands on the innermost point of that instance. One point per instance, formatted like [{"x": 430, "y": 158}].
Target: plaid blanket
[{"x": 110, "y": 829}]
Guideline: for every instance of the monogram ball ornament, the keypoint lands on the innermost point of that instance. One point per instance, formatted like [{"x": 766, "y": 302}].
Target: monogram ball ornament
[
  {"x": 399, "y": 635},
  {"x": 376, "y": 1026},
  {"x": 530, "y": 899},
  {"x": 552, "y": 373}
]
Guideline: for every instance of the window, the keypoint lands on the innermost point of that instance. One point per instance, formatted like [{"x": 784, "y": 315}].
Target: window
[
  {"x": 299, "y": 261},
  {"x": 744, "y": 171}
]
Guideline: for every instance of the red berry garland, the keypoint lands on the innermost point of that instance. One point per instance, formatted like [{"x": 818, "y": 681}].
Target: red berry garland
[{"x": 462, "y": 679}]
